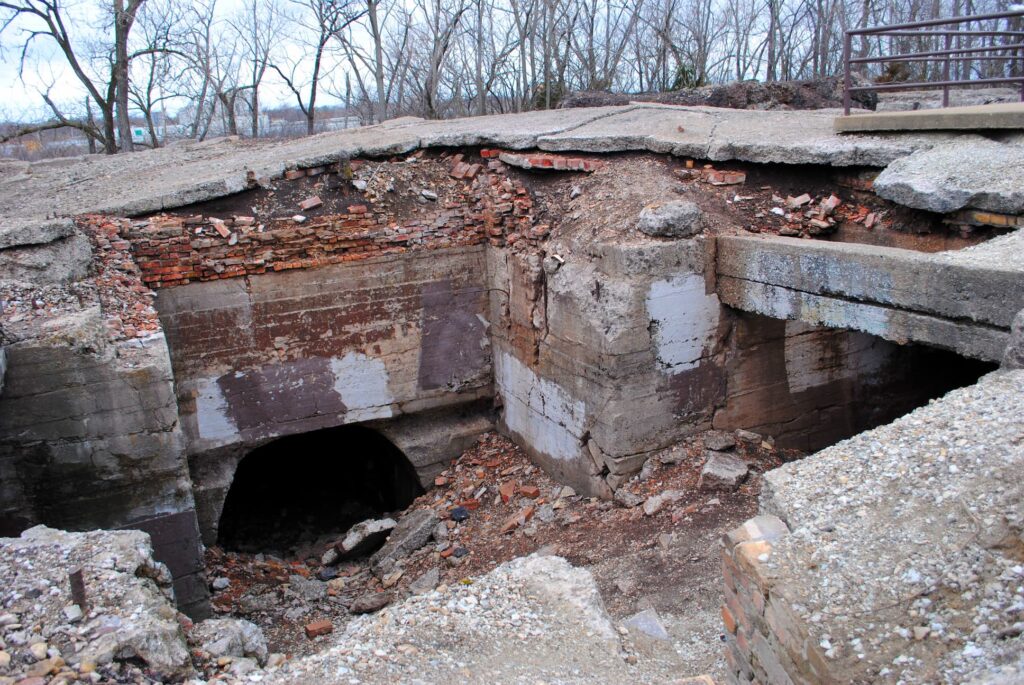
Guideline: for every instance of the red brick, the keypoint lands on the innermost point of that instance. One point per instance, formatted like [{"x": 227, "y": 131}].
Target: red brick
[
  {"x": 530, "y": 491},
  {"x": 318, "y": 628}
]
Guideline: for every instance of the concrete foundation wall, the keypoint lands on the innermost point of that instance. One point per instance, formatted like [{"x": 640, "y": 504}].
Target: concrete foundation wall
[
  {"x": 362, "y": 342},
  {"x": 607, "y": 357},
  {"x": 89, "y": 438}
]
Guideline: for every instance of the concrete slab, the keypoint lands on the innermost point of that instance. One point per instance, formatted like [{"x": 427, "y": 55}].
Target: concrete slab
[
  {"x": 900, "y": 295},
  {"x": 966, "y": 172},
  {"x": 806, "y": 138},
  {"x": 1007, "y": 115},
  {"x": 680, "y": 131}
]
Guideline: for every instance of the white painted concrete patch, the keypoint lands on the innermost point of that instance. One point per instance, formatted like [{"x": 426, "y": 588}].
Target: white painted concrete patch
[
  {"x": 685, "y": 319},
  {"x": 542, "y": 412},
  {"x": 362, "y": 383},
  {"x": 212, "y": 418}
]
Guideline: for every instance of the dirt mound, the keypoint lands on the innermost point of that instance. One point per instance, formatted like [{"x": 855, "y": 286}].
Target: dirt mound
[{"x": 811, "y": 94}]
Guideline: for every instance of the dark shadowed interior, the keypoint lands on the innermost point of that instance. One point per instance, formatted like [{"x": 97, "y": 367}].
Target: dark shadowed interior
[{"x": 293, "y": 491}]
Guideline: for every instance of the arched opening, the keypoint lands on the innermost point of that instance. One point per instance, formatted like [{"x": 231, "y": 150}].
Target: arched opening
[{"x": 290, "y": 493}]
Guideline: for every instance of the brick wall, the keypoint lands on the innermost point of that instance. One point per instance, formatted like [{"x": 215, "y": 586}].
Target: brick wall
[
  {"x": 484, "y": 206},
  {"x": 765, "y": 643}
]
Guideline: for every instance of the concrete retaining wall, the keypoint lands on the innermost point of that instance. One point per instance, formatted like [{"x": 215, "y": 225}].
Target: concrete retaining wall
[{"x": 89, "y": 438}]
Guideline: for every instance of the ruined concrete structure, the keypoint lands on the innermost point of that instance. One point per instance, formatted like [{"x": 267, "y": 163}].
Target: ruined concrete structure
[{"x": 426, "y": 281}]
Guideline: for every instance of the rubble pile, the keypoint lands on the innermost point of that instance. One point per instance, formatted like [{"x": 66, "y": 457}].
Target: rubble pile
[
  {"x": 491, "y": 505},
  {"x": 92, "y": 607}
]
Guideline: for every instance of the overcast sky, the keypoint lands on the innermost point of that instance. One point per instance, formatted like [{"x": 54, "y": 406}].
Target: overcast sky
[{"x": 48, "y": 69}]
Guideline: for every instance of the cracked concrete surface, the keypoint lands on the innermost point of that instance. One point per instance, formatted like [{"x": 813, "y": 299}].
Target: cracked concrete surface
[{"x": 189, "y": 172}]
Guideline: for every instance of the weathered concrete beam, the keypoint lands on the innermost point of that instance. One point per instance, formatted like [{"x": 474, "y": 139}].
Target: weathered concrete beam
[
  {"x": 898, "y": 325},
  {"x": 890, "y": 277}
]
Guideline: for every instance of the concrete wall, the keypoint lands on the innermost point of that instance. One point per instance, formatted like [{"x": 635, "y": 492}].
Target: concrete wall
[
  {"x": 607, "y": 357},
  {"x": 900, "y": 295},
  {"x": 89, "y": 438},
  {"x": 362, "y": 342}
]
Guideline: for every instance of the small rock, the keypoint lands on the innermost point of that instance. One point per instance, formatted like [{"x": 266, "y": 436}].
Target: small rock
[
  {"x": 429, "y": 194},
  {"x": 45, "y": 667},
  {"x": 330, "y": 556},
  {"x": 723, "y": 471},
  {"x": 359, "y": 184},
  {"x": 5, "y": 659},
  {"x": 220, "y": 583},
  {"x": 318, "y": 628},
  {"x": 459, "y": 514},
  {"x": 748, "y": 436},
  {"x": 392, "y": 578},
  {"x": 649, "y": 623},
  {"x": 567, "y": 492},
  {"x": 425, "y": 583},
  {"x": 73, "y": 613},
  {"x": 677, "y": 219},
  {"x": 720, "y": 441},
  {"x": 38, "y": 651},
  {"x": 327, "y": 573},
  {"x": 921, "y": 632},
  {"x": 546, "y": 513},
  {"x": 440, "y": 533},
  {"x": 655, "y": 503},
  {"x": 307, "y": 588},
  {"x": 575, "y": 192},
  {"x": 627, "y": 498},
  {"x": 370, "y": 603},
  {"x": 276, "y": 659},
  {"x": 648, "y": 470}
]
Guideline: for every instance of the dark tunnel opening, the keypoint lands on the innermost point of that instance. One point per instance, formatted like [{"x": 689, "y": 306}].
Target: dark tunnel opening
[{"x": 295, "y": 491}]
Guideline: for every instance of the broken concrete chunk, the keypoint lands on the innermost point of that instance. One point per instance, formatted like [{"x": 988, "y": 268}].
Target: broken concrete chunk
[
  {"x": 720, "y": 441},
  {"x": 412, "y": 532},
  {"x": 363, "y": 538},
  {"x": 425, "y": 583},
  {"x": 647, "y": 622},
  {"x": 679, "y": 219},
  {"x": 655, "y": 503},
  {"x": 723, "y": 471},
  {"x": 748, "y": 436},
  {"x": 230, "y": 637},
  {"x": 628, "y": 499},
  {"x": 368, "y": 604},
  {"x": 798, "y": 201}
]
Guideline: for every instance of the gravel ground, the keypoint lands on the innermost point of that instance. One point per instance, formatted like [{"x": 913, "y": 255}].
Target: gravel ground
[
  {"x": 906, "y": 557},
  {"x": 534, "y": 619}
]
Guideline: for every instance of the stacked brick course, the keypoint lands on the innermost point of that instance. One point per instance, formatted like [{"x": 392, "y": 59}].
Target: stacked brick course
[
  {"x": 765, "y": 642},
  {"x": 488, "y": 207}
]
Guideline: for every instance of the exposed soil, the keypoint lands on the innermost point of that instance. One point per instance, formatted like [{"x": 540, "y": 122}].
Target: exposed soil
[{"x": 668, "y": 561}]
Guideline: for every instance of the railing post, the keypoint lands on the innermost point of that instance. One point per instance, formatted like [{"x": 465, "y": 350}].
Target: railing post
[
  {"x": 846, "y": 75},
  {"x": 945, "y": 68}
]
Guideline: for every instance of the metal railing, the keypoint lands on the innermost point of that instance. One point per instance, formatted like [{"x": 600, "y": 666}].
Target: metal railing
[{"x": 1010, "y": 52}]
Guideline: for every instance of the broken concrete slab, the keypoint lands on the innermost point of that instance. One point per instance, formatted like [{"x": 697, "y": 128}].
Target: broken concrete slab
[
  {"x": 412, "y": 532},
  {"x": 684, "y": 132},
  {"x": 17, "y": 233},
  {"x": 968, "y": 172},
  {"x": 961, "y": 300},
  {"x": 723, "y": 471},
  {"x": 363, "y": 538}
]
